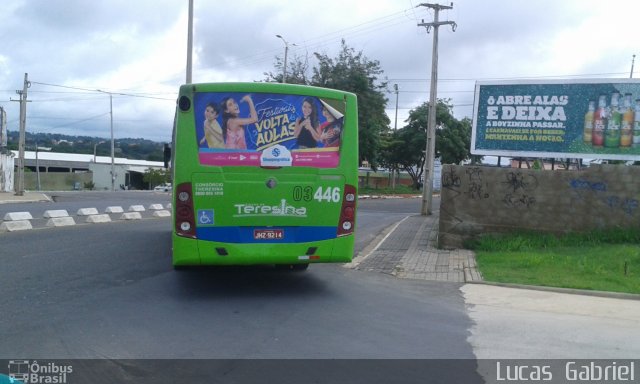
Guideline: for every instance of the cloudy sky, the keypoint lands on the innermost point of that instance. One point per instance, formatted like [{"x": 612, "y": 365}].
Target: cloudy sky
[{"x": 136, "y": 49}]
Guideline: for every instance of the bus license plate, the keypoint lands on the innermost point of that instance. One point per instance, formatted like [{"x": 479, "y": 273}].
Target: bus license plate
[{"x": 268, "y": 234}]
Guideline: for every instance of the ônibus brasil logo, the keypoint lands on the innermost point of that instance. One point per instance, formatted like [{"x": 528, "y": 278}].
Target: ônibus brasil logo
[
  {"x": 32, "y": 372},
  {"x": 284, "y": 209}
]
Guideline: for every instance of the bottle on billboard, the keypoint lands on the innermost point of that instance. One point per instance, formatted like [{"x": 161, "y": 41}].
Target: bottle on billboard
[
  {"x": 626, "y": 129},
  {"x": 612, "y": 130},
  {"x": 588, "y": 122},
  {"x": 599, "y": 122},
  {"x": 636, "y": 125}
]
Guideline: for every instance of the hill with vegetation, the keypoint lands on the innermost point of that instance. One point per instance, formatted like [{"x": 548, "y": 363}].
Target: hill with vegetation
[{"x": 131, "y": 148}]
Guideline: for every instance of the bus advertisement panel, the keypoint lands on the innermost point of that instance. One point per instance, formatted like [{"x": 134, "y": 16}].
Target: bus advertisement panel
[
  {"x": 308, "y": 126},
  {"x": 264, "y": 173},
  {"x": 568, "y": 119}
]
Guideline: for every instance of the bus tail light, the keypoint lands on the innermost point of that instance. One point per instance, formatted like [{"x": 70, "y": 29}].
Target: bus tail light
[
  {"x": 346, "y": 225},
  {"x": 185, "y": 223}
]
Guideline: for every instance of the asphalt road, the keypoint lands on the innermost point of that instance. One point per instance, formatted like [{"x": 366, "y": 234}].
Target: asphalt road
[{"x": 109, "y": 291}]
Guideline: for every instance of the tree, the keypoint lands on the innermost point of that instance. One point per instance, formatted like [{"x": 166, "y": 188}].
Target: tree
[
  {"x": 353, "y": 72},
  {"x": 350, "y": 71},
  {"x": 297, "y": 70},
  {"x": 453, "y": 141},
  {"x": 406, "y": 146},
  {"x": 404, "y": 149},
  {"x": 156, "y": 176}
]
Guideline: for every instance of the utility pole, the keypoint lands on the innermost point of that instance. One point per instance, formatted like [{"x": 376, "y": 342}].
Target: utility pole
[
  {"x": 23, "y": 122},
  {"x": 395, "y": 128},
  {"x": 429, "y": 159},
  {"x": 395, "y": 86},
  {"x": 633, "y": 60},
  {"x": 113, "y": 172}
]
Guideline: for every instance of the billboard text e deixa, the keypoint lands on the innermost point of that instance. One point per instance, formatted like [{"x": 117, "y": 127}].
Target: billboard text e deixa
[{"x": 568, "y": 119}]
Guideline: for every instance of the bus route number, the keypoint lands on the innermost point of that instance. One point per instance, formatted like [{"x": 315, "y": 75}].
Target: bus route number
[{"x": 328, "y": 194}]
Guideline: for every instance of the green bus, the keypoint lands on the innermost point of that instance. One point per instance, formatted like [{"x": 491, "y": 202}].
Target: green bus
[{"x": 264, "y": 173}]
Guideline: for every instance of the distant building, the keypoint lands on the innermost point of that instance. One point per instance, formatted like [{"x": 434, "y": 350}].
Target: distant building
[{"x": 128, "y": 173}]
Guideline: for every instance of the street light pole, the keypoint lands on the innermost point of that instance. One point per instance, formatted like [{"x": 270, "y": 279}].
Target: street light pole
[
  {"x": 37, "y": 167},
  {"x": 395, "y": 128},
  {"x": 95, "y": 146},
  {"x": 113, "y": 174},
  {"x": 286, "y": 51}
]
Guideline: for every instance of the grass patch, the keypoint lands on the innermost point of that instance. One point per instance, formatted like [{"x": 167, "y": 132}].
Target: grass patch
[
  {"x": 399, "y": 190},
  {"x": 601, "y": 261}
]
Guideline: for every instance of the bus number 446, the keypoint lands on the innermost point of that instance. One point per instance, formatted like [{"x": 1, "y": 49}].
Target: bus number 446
[{"x": 331, "y": 195}]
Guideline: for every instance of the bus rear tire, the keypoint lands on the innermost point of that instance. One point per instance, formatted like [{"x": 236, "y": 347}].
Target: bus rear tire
[
  {"x": 293, "y": 267},
  {"x": 300, "y": 267}
]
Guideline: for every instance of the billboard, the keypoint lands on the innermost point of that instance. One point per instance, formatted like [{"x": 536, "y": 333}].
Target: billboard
[{"x": 594, "y": 118}]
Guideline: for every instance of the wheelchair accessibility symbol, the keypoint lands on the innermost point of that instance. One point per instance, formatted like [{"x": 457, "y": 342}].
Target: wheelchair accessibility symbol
[{"x": 205, "y": 217}]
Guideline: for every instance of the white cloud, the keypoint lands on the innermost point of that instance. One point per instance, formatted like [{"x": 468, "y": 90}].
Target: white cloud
[{"x": 139, "y": 47}]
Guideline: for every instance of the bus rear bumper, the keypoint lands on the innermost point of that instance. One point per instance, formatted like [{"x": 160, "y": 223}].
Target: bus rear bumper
[{"x": 191, "y": 252}]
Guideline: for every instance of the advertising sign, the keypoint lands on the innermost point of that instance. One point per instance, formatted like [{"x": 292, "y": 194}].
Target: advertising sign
[
  {"x": 261, "y": 129},
  {"x": 568, "y": 119}
]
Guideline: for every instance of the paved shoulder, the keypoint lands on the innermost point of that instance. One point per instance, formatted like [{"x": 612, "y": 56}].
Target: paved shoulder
[
  {"x": 408, "y": 250},
  {"x": 27, "y": 197},
  {"x": 528, "y": 324}
]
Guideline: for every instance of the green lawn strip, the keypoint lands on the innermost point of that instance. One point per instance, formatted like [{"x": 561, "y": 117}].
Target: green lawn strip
[
  {"x": 398, "y": 190},
  {"x": 595, "y": 267}
]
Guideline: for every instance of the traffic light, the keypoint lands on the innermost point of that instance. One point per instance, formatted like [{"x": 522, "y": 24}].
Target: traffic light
[{"x": 167, "y": 155}]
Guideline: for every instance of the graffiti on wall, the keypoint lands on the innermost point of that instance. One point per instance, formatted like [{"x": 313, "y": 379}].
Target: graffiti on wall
[
  {"x": 585, "y": 190},
  {"x": 519, "y": 190}
]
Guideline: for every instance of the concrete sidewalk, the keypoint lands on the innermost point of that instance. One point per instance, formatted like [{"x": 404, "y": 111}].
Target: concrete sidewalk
[
  {"x": 27, "y": 197},
  {"x": 409, "y": 250}
]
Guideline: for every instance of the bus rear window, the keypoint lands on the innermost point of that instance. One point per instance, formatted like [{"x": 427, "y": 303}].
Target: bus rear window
[{"x": 269, "y": 130}]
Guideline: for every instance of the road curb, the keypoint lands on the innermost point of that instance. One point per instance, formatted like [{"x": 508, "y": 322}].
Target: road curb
[
  {"x": 570, "y": 291},
  {"x": 20, "y": 221}
]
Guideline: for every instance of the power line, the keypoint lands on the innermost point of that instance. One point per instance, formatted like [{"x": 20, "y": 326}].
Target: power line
[
  {"x": 315, "y": 43},
  {"x": 507, "y": 78},
  {"x": 140, "y": 95},
  {"x": 77, "y": 121}
]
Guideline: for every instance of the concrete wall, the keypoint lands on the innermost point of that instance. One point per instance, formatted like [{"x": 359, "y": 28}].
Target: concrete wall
[
  {"x": 55, "y": 181},
  {"x": 102, "y": 175},
  {"x": 6, "y": 172},
  {"x": 478, "y": 200}
]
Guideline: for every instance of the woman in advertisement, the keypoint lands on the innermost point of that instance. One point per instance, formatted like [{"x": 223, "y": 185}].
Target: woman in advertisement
[
  {"x": 330, "y": 129},
  {"x": 212, "y": 130},
  {"x": 306, "y": 128},
  {"x": 233, "y": 124}
]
